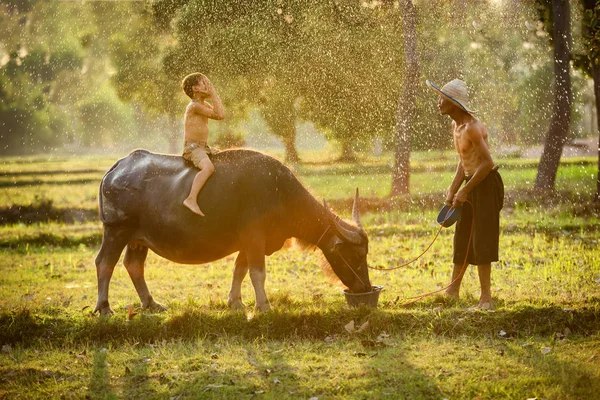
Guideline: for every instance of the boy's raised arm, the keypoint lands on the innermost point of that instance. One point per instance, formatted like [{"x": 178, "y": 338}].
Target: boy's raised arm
[
  {"x": 209, "y": 111},
  {"x": 216, "y": 111}
]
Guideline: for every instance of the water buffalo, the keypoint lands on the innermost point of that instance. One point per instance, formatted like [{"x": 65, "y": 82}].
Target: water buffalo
[{"x": 253, "y": 204}]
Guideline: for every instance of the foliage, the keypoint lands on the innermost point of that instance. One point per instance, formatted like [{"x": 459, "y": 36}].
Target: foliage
[
  {"x": 53, "y": 78},
  {"x": 592, "y": 22},
  {"x": 336, "y": 64},
  {"x": 229, "y": 139},
  {"x": 31, "y": 121}
]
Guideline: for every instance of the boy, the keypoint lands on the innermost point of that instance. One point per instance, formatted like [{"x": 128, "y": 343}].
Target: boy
[
  {"x": 483, "y": 188},
  {"x": 199, "y": 88}
]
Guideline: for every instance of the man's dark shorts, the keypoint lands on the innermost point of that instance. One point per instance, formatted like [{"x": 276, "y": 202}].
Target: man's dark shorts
[{"x": 487, "y": 199}]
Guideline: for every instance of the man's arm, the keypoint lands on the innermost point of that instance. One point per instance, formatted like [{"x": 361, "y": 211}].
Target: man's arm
[
  {"x": 475, "y": 136},
  {"x": 459, "y": 177}
]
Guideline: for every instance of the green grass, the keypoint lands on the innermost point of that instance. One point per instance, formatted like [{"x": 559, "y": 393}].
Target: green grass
[
  {"x": 70, "y": 184},
  {"x": 343, "y": 368},
  {"x": 541, "y": 341}
]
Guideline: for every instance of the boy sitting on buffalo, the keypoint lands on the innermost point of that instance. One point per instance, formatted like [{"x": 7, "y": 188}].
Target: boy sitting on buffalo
[{"x": 195, "y": 149}]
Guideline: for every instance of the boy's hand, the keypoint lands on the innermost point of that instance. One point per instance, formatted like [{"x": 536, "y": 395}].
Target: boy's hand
[{"x": 210, "y": 88}]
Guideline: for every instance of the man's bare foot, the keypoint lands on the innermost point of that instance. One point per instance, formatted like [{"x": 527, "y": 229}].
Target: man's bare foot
[
  {"x": 483, "y": 305},
  {"x": 451, "y": 294},
  {"x": 193, "y": 206}
]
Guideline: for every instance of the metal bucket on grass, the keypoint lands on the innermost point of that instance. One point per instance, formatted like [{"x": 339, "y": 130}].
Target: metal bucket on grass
[{"x": 368, "y": 299}]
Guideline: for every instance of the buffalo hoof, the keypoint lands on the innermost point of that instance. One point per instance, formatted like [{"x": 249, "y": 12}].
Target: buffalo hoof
[
  {"x": 263, "y": 307},
  {"x": 236, "y": 305},
  {"x": 104, "y": 309},
  {"x": 154, "y": 306}
]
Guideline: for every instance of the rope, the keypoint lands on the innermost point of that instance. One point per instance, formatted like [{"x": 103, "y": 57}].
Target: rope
[
  {"x": 323, "y": 234},
  {"x": 422, "y": 296},
  {"x": 463, "y": 269},
  {"x": 420, "y": 255}
]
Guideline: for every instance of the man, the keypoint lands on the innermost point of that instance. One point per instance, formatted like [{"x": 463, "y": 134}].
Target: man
[
  {"x": 195, "y": 149},
  {"x": 483, "y": 189}
]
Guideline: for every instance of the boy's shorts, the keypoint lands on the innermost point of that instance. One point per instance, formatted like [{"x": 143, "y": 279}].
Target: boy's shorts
[
  {"x": 487, "y": 199},
  {"x": 195, "y": 152}
]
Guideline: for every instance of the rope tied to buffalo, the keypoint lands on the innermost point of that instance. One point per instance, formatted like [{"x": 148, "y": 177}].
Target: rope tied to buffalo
[{"x": 414, "y": 299}]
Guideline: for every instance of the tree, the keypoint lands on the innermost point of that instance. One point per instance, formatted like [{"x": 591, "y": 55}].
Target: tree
[
  {"x": 301, "y": 59},
  {"x": 563, "y": 97},
  {"x": 146, "y": 73},
  {"x": 31, "y": 116},
  {"x": 590, "y": 63},
  {"x": 247, "y": 43},
  {"x": 279, "y": 112},
  {"x": 352, "y": 72},
  {"x": 406, "y": 114}
]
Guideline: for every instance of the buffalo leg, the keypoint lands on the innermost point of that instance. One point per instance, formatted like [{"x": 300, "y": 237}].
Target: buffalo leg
[
  {"x": 135, "y": 256},
  {"x": 258, "y": 275},
  {"x": 114, "y": 240},
  {"x": 239, "y": 273}
]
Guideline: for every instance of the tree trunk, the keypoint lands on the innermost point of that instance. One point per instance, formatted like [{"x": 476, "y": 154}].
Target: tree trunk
[
  {"x": 348, "y": 154},
  {"x": 289, "y": 141},
  {"x": 280, "y": 115},
  {"x": 406, "y": 108},
  {"x": 563, "y": 98},
  {"x": 596, "y": 75}
]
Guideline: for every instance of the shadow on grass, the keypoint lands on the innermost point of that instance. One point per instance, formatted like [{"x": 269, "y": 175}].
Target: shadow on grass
[
  {"x": 38, "y": 182},
  {"x": 99, "y": 385},
  {"x": 297, "y": 321},
  {"x": 571, "y": 379},
  {"x": 137, "y": 379}
]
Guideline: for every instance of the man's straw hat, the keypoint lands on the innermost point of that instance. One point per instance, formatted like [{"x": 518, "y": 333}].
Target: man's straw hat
[{"x": 455, "y": 91}]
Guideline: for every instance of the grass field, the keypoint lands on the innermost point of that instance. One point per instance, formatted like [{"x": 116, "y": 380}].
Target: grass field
[{"x": 541, "y": 341}]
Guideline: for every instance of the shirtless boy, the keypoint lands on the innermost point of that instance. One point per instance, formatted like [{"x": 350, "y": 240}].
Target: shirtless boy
[
  {"x": 195, "y": 149},
  {"x": 484, "y": 189}
]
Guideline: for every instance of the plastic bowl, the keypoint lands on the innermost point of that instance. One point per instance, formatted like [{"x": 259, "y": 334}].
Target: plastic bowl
[
  {"x": 448, "y": 215},
  {"x": 368, "y": 299}
]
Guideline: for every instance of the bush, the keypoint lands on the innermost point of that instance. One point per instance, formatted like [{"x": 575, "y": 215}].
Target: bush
[{"x": 229, "y": 139}]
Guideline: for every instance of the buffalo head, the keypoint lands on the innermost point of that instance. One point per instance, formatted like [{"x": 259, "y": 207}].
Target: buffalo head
[{"x": 347, "y": 251}]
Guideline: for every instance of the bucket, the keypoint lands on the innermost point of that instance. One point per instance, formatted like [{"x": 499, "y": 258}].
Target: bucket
[{"x": 368, "y": 299}]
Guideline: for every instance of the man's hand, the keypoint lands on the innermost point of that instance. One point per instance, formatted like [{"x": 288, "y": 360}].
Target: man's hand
[
  {"x": 459, "y": 198},
  {"x": 449, "y": 199}
]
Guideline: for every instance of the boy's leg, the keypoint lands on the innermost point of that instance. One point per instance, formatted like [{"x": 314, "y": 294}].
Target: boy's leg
[
  {"x": 485, "y": 272},
  {"x": 206, "y": 170},
  {"x": 454, "y": 289}
]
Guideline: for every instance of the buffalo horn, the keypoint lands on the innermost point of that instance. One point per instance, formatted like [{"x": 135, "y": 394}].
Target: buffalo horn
[
  {"x": 351, "y": 235},
  {"x": 355, "y": 215}
]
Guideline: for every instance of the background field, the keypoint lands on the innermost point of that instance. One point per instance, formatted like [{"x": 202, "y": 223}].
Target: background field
[{"x": 541, "y": 341}]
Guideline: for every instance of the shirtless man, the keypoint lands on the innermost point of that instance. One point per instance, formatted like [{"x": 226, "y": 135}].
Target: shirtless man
[
  {"x": 195, "y": 149},
  {"x": 483, "y": 189}
]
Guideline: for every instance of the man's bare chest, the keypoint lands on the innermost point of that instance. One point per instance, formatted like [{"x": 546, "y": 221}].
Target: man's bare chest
[{"x": 462, "y": 144}]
